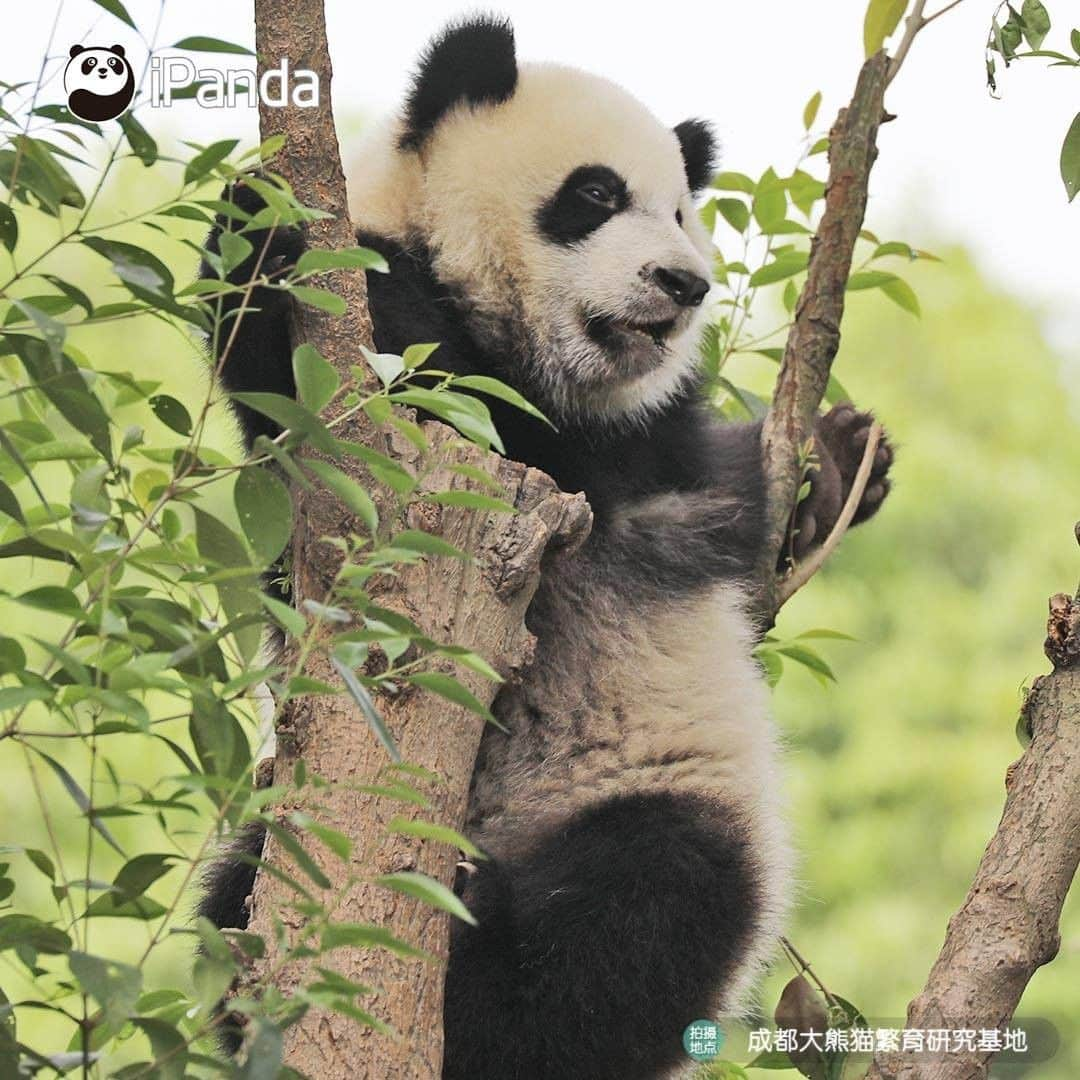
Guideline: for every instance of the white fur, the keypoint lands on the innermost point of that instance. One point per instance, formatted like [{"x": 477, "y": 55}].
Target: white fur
[
  {"x": 472, "y": 193},
  {"x": 621, "y": 698}
]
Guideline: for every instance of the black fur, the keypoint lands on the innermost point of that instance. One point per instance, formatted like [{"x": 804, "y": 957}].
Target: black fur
[
  {"x": 699, "y": 152},
  {"x": 573, "y": 972},
  {"x": 572, "y": 213},
  {"x": 472, "y": 63}
]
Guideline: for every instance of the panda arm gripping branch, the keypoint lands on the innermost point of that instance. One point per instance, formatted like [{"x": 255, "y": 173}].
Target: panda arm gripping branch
[{"x": 630, "y": 803}]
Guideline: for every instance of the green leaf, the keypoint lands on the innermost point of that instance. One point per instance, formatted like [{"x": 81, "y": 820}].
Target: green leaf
[
  {"x": 348, "y": 491},
  {"x": 336, "y": 841},
  {"x": 319, "y": 298},
  {"x": 292, "y": 415},
  {"x": 265, "y": 511},
  {"x": 9, "y": 227},
  {"x": 359, "y": 694},
  {"x": 384, "y": 469},
  {"x": 1074, "y": 39},
  {"x": 472, "y": 500},
  {"x": 881, "y": 19},
  {"x": 288, "y": 617},
  {"x": 900, "y": 292},
  {"x": 31, "y": 168},
  {"x": 234, "y": 250},
  {"x": 498, "y": 389},
  {"x": 869, "y": 279},
  {"x": 316, "y": 379},
  {"x": 115, "y": 7},
  {"x": 114, "y": 986},
  {"x": 197, "y": 43},
  {"x": 20, "y": 930},
  {"x": 361, "y": 258},
  {"x": 126, "y": 898},
  {"x": 1036, "y": 22},
  {"x": 770, "y": 199},
  {"x": 809, "y": 659},
  {"x": 733, "y": 181},
  {"x": 302, "y": 859},
  {"x": 208, "y": 159},
  {"x": 53, "y": 598},
  {"x": 427, "y": 890},
  {"x": 1070, "y": 159},
  {"x": 220, "y": 743},
  {"x": 416, "y": 540},
  {"x": 172, "y": 413},
  {"x": 82, "y": 800},
  {"x": 388, "y": 366},
  {"x": 264, "y": 1053},
  {"x": 783, "y": 267},
  {"x": 428, "y": 830},
  {"x": 810, "y": 111},
  {"x": 168, "y": 1046},
  {"x": 365, "y": 935},
  {"x": 735, "y": 212},
  {"x": 449, "y": 687},
  {"x": 9, "y": 503},
  {"x": 139, "y": 139}
]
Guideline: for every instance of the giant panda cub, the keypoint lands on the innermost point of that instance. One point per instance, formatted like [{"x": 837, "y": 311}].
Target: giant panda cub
[{"x": 540, "y": 223}]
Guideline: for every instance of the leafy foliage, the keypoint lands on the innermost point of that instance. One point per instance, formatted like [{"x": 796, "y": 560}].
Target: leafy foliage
[
  {"x": 1031, "y": 25},
  {"x": 139, "y": 550}
]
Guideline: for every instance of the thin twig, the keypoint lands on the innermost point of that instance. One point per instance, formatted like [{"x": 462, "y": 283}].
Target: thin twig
[
  {"x": 805, "y": 570},
  {"x": 915, "y": 22}
]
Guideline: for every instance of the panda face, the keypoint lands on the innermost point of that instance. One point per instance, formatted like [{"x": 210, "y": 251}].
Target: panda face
[
  {"x": 564, "y": 214},
  {"x": 99, "y": 82}
]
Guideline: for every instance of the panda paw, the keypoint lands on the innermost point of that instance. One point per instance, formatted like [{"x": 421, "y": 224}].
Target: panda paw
[
  {"x": 273, "y": 251},
  {"x": 839, "y": 444}
]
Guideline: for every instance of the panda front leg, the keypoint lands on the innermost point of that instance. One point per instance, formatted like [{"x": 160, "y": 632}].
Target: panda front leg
[{"x": 597, "y": 946}]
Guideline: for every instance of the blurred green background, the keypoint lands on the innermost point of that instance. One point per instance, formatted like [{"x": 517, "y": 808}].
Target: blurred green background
[{"x": 896, "y": 773}]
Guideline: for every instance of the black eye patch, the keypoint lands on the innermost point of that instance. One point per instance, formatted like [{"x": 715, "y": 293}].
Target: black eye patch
[
  {"x": 88, "y": 65},
  {"x": 571, "y": 214}
]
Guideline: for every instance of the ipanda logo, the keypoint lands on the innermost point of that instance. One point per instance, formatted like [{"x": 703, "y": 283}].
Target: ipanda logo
[
  {"x": 99, "y": 82},
  {"x": 212, "y": 88}
]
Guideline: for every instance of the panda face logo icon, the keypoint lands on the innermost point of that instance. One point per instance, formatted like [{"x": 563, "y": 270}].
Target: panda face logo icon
[{"x": 99, "y": 82}]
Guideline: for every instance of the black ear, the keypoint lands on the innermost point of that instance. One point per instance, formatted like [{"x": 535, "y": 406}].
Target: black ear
[
  {"x": 75, "y": 50},
  {"x": 471, "y": 62},
  {"x": 698, "y": 150},
  {"x": 118, "y": 49}
]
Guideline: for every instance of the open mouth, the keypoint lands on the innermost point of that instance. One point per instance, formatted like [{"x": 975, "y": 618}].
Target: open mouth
[{"x": 609, "y": 332}]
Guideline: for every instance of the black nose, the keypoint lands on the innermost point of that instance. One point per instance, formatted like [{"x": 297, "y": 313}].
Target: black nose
[{"x": 684, "y": 287}]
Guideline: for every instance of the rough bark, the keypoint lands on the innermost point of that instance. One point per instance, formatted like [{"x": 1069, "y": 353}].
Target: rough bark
[
  {"x": 815, "y": 333},
  {"x": 480, "y": 604},
  {"x": 1007, "y": 926}
]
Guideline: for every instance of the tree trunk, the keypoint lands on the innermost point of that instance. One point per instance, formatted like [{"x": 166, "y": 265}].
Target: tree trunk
[{"x": 479, "y": 604}]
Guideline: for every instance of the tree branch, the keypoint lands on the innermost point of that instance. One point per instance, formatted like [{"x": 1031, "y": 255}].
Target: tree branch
[
  {"x": 1007, "y": 926},
  {"x": 479, "y": 604},
  {"x": 815, "y": 333}
]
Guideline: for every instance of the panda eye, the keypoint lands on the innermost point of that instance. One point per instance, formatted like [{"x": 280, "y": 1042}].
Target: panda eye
[
  {"x": 114, "y": 64},
  {"x": 599, "y": 194},
  {"x": 678, "y": 217},
  {"x": 88, "y": 65}
]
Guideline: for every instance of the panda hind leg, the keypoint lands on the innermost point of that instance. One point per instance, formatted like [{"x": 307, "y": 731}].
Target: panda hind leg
[{"x": 597, "y": 948}]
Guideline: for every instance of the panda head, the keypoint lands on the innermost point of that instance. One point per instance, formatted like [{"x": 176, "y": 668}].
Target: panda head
[
  {"x": 99, "y": 82},
  {"x": 561, "y": 211}
]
